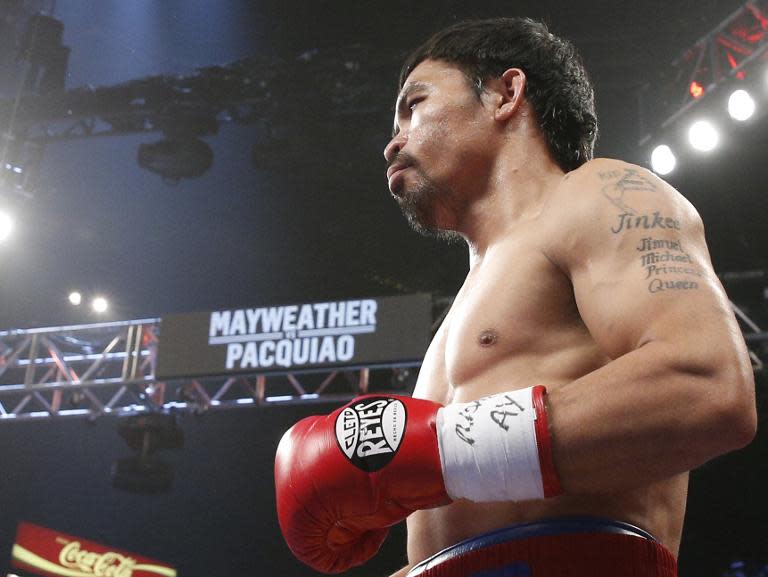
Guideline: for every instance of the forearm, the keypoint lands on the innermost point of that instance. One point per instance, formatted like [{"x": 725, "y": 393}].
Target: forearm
[
  {"x": 648, "y": 415},
  {"x": 402, "y": 573}
]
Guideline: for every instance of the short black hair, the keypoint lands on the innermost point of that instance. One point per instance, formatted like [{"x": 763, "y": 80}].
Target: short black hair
[{"x": 557, "y": 85}]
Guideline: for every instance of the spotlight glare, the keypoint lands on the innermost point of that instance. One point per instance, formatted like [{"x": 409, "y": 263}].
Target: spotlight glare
[
  {"x": 6, "y": 226},
  {"x": 100, "y": 304},
  {"x": 696, "y": 90},
  {"x": 663, "y": 160},
  {"x": 75, "y": 298},
  {"x": 703, "y": 136},
  {"x": 741, "y": 105}
]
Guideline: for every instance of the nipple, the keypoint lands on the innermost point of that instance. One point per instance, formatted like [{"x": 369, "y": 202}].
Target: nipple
[{"x": 488, "y": 338}]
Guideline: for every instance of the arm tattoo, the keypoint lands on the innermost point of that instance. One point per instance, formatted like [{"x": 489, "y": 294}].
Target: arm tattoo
[
  {"x": 661, "y": 258},
  {"x": 620, "y": 182}
]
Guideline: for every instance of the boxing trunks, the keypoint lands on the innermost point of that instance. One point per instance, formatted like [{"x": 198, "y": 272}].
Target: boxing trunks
[{"x": 567, "y": 547}]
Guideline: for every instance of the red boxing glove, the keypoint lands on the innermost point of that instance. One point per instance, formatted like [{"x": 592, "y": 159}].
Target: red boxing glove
[{"x": 343, "y": 479}]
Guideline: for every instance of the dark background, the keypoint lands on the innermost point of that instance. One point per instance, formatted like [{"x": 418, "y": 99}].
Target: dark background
[{"x": 295, "y": 208}]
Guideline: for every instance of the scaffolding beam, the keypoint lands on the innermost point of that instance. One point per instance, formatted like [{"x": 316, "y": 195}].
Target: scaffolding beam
[{"x": 721, "y": 56}]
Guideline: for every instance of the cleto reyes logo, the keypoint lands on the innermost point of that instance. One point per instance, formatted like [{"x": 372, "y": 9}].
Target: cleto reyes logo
[{"x": 370, "y": 432}]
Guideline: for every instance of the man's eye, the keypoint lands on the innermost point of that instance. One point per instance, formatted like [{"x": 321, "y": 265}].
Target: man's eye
[{"x": 412, "y": 104}]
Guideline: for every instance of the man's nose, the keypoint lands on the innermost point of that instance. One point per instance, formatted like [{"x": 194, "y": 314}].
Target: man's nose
[{"x": 395, "y": 145}]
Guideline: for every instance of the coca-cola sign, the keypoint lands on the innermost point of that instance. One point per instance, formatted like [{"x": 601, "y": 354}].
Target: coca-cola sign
[{"x": 51, "y": 553}]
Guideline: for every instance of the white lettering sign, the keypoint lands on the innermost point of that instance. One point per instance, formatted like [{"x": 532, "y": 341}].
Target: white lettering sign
[
  {"x": 285, "y": 336},
  {"x": 287, "y": 353},
  {"x": 250, "y": 323}
]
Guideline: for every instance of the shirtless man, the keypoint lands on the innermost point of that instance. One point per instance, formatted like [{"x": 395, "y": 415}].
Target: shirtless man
[{"x": 589, "y": 277}]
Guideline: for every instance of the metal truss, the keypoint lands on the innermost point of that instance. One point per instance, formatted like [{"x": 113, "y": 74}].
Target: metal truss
[
  {"x": 755, "y": 337},
  {"x": 725, "y": 53},
  {"x": 253, "y": 91},
  {"x": 749, "y": 288},
  {"x": 75, "y": 370},
  {"x": 108, "y": 369},
  {"x": 245, "y": 91}
]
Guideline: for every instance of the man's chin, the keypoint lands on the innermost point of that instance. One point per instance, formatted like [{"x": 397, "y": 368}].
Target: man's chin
[
  {"x": 419, "y": 208},
  {"x": 428, "y": 228}
]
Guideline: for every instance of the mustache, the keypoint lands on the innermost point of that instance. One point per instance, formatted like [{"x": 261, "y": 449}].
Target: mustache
[{"x": 402, "y": 158}]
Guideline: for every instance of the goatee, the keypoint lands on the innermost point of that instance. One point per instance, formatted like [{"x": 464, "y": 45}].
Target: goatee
[{"x": 419, "y": 205}]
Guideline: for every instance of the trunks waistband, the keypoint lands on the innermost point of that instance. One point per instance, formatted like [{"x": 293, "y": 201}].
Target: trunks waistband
[{"x": 562, "y": 547}]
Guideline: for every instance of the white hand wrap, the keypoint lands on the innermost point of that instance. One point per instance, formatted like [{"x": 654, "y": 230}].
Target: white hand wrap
[{"x": 497, "y": 448}]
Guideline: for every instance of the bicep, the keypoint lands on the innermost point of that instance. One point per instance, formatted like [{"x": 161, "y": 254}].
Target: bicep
[{"x": 644, "y": 274}]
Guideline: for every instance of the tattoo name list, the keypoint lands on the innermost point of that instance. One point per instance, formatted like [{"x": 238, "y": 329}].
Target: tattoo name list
[{"x": 663, "y": 257}]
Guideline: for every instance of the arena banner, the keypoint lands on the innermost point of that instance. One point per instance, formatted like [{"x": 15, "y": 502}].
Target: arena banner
[
  {"x": 294, "y": 337},
  {"x": 43, "y": 551}
]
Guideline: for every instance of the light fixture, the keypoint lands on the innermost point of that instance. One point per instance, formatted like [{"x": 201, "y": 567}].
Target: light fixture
[
  {"x": 6, "y": 226},
  {"x": 741, "y": 105},
  {"x": 147, "y": 434},
  {"x": 663, "y": 160},
  {"x": 100, "y": 304},
  {"x": 696, "y": 90},
  {"x": 75, "y": 298},
  {"x": 703, "y": 136}
]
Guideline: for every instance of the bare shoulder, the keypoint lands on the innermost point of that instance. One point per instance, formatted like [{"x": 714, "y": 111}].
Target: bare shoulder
[
  {"x": 605, "y": 198},
  {"x": 609, "y": 185}
]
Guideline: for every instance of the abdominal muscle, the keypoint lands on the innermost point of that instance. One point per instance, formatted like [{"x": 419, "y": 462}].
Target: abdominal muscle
[{"x": 432, "y": 530}]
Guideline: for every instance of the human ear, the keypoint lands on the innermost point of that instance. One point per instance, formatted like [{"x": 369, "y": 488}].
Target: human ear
[{"x": 511, "y": 87}]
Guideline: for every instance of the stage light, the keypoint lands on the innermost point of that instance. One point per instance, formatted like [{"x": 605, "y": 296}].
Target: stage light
[
  {"x": 175, "y": 159},
  {"x": 6, "y": 226},
  {"x": 696, "y": 90},
  {"x": 741, "y": 105},
  {"x": 663, "y": 160},
  {"x": 100, "y": 304},
  {"x": 146, "y": 435},
  {"x": 703, "y": 136},
  {"x": 75, "y": 298}
]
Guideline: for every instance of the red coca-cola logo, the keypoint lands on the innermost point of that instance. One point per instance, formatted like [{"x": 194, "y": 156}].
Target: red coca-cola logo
[{"x": 51, "y": 553}]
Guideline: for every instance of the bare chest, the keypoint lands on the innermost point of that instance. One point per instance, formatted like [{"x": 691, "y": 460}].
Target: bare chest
[{"x": 514, "y": 323}]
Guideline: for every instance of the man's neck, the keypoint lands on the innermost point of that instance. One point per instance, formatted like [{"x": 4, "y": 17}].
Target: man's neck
[{"x": 517, "y": 193}]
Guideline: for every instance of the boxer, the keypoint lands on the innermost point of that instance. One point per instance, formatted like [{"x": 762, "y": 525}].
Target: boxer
[{"x": 589, "y": 361}]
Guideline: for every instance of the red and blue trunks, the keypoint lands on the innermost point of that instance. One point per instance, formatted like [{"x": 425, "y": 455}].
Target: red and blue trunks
[{"x": 567, "y": 547}]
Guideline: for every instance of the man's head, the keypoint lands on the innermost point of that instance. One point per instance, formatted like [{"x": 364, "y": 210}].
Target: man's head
[
  {"x": 466, "y": 96},
  {"x": 557, "y": 85}
]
